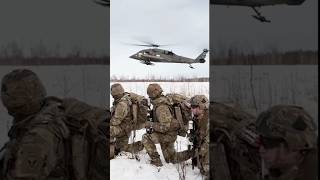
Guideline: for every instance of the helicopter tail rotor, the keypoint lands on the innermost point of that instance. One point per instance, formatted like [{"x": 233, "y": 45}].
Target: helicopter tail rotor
[{"x": 202, "y": 56}]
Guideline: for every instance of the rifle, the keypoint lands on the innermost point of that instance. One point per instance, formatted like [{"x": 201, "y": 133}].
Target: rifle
[
  {"x": 194, "y": 143},
  {"x": 150, "y": 118}
]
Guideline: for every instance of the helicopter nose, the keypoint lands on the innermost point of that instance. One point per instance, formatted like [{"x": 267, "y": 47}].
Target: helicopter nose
[{"x": 134, "y": 56}]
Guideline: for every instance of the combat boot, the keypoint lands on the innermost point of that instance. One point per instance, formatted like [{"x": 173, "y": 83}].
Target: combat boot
[{"x": 155, "y": 160}]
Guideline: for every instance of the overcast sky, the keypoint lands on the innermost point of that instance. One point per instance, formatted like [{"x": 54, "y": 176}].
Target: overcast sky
[
  {"x": 291, "y": 27},
  {"x": 69, "y": 24},
  {"x": 184, "y": 23}
]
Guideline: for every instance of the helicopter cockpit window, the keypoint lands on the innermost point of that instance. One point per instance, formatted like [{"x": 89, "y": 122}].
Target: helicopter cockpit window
[{"x": 168, "y": 52}]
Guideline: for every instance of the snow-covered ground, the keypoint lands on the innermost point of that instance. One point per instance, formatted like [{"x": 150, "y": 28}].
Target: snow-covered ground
[{"x": 124, "y": 167}]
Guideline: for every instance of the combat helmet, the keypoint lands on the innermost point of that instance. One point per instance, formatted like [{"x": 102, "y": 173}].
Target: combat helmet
[
  {"x": 154, "y": 90},
  {"x": 200, "y": 100},
  {"x": 117, "y": 90},
  {"x": 22, "y": 92},
  {"x": 289, "y": 123}
]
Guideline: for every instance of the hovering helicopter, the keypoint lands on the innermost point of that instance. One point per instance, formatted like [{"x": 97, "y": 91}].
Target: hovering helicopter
[
  {"x": 254, "y": 4},
  {"x": 154, "y": 54}
]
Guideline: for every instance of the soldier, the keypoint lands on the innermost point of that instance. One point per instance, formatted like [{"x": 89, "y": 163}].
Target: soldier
[
  {"x": 288, "y": 144},
  {"x": 200, "y": 110},
  {"x": 121, "y": 123},
  {"x": 42, "y": 144},
  {"x": 234, "y": 153},
  {"x": 164, "y": 129}
]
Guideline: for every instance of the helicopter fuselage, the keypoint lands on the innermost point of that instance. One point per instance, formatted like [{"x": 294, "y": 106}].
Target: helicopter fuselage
[{"x": 161, "y": 56}]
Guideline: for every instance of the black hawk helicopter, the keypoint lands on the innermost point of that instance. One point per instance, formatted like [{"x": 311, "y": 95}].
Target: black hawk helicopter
[
  {"x": 254, "y": 4},
  {"x": 154, "y": 54}
]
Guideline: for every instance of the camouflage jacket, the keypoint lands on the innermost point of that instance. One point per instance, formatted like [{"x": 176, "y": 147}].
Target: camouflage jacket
[
  {"x": 202, "y": 127},
  {"x": 164, "y": 122},
  {"x": 36, "y": 149},
  {"x": 45, "y": 146},
  {"x": 121, "y": 114},
  {"x": 204, "y": 153}
]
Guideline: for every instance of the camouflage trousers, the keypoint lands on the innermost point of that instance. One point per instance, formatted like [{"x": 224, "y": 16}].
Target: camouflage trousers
[
  {"x": 204, "y": 159},
  {"x": 121, "y": 141},
  {"x": 166, "y": 142}
]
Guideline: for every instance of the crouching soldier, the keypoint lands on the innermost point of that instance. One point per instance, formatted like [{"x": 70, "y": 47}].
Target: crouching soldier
[
  {"x": 163, "y": 129},
  {"x": 121, "y": 123}
]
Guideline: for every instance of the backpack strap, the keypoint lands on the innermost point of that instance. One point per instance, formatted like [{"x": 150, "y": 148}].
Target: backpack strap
[{"x": 178, "y": 116}]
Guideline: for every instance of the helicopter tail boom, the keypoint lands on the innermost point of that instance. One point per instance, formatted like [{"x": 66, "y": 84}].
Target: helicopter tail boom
[{"x": 201, "y": 57}]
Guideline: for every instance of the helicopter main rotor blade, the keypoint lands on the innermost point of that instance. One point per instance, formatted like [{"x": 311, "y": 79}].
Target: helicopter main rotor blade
[
  {"x": 152, "y": 44},
  {"x": 148, "y": 44},
  {"x": 132, "y": 44}
]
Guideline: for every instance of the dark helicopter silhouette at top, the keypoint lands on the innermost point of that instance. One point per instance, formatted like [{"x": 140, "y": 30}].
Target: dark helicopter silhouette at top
[
  {"x": 154, "y": 54},
  {"x": 105, "y": 3},
  {"x": 254, "y": 4}
]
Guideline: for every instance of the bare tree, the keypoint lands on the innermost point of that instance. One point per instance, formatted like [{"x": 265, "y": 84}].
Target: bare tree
[
  {"x": 39, "y": 51},
  {"x": 181, "y": 166}
]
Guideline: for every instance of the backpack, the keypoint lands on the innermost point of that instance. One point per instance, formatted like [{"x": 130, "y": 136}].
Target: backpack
[
  {"x": 139, "y": 111},
  {"x": 89, "y": 129},
  {"x": 181, "y": 111}
]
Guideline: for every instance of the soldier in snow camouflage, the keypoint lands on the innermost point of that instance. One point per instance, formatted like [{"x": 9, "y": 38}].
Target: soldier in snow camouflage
[{"x": 165, "y": 128}]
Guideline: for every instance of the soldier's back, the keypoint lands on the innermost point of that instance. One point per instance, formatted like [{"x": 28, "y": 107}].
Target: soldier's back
[{"x": 36, "y": 149}]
